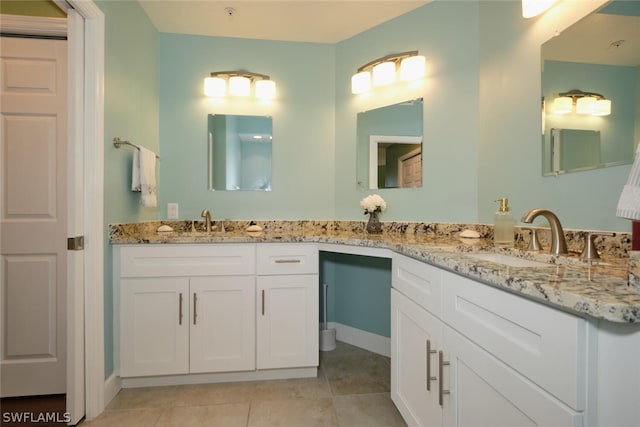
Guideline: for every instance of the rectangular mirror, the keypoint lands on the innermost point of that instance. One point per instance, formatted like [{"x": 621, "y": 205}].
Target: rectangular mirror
[
  {"x": 596, "y": 55},
  {"x": 239, "y": 152},
  {"x": 389, "y": 146}
]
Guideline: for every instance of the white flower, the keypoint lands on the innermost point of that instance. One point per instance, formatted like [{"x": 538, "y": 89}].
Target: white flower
[{"x": 373, "y": 203}]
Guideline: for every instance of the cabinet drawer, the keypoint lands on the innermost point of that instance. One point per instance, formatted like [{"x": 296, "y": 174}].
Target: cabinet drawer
[
  {"x": 421, "y": 282},
  {"x": 187, "y": 260},
  {"x": 284, "y": 258},
  {"x": 545, "y": 345}
]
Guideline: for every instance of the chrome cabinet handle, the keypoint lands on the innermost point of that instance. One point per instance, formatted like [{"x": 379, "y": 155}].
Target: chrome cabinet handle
[
  {"x": 441, "y": 365},
  {"x": 287, "y": 261},
  {"x": 195, "y": 309},
  {"x": 263, "y": 302},
  {"x": 429, "y": 377},
  {"x": 180, "y": 309}
]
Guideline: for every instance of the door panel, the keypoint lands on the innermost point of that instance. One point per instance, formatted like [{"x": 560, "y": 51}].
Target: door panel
[{"x": 33, "y": 216}]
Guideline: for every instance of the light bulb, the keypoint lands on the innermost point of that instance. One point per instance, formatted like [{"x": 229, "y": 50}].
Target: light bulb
[
  {"x": 239, "y": 86},
  {"x": 384, "y": 73},
  {"x": 413, "y": 68},
  {"x": 215, "y": 87},
  {"x": 562, "y": 105},
  {"x": 361, "y": 82},
  {"x": 531, "y": 8},
  {"x": 602, "y": 107},
  {"x": 265, "y": 89},
  {"x": 586, "y": 105}
]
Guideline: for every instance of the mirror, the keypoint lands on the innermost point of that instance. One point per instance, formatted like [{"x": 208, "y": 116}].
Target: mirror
[
  {"x": 600, "y": 54},
  {"x": 389, "y": 146},
  {"x": 239, "y": 152}
]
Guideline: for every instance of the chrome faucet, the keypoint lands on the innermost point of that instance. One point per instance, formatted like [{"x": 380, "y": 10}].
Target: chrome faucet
[
  {"x": 207, "y": 219},
  {"x": 558, "y": 242}
]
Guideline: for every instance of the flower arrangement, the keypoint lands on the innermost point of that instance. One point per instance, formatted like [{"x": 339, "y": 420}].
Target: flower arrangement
[{"x": 373, "y": 203}]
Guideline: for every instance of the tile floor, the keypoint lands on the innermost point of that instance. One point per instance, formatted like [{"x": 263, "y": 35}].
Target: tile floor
[{"x": 351, "y": 390}]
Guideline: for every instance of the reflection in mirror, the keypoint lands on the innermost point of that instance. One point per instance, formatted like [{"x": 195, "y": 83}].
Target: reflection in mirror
[
  {"x": 597, "y": 54},
  {"x": 389, "y": 146},
  {"x": 239, "y": 152},
  {"x": 574, "y": 150}
]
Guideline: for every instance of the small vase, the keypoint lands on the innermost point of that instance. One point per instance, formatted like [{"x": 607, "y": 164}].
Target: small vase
[{"x": 374, "y": 226}]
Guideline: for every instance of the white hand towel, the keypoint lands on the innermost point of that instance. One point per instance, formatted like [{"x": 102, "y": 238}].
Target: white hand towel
[
  {"x": 143, "y": 177},
  {"x": 629, "y": 202}
]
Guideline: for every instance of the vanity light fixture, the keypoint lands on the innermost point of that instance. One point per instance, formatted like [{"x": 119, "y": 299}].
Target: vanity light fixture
[
  {"x": 585, "y": 103},
  {"x": 531, "y": 8},
  {"x": 406, "y": 66},
  {"x": 239, "y": 83}
]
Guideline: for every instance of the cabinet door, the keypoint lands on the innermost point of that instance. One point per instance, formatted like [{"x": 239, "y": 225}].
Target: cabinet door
[
  {"x": 222, "y": 324},
  {"x": 482, "y": 391},
  {"x": 154, "y": 326},
  {"x": 414, "y": 381},
  {"x": 287, "y": 310}
]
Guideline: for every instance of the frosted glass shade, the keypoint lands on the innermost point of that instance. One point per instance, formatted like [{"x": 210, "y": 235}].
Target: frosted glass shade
[
  {"x": 265, "y": 89},
  {"x": 602, "y": 107},
  {"x": 562, "y": 105},
  {"x": 586, "y": 105},
  {"x": 215, "y": 87},
  {"x": 531, "y": 8},
  {"x": 239, "y": 86},
  {"x": 384, "y": 74},
  {"x": 413, "y": 68},
  {"x": 361, "y": 82}
]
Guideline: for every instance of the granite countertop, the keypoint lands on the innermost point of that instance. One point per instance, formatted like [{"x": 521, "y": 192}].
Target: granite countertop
[{"x": 599, "y": 290}]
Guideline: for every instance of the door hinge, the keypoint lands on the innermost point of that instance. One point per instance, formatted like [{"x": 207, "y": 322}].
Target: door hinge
[{"x": 75, "y": 243}]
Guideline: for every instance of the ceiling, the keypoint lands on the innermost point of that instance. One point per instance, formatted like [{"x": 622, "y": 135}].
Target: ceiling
[
  {"x": 328, "y": 21},
  {"x": 600, "y": 38}
]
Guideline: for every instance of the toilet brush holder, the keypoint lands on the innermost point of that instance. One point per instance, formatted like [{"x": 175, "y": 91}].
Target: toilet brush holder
[{"x": 327, "y": 339}]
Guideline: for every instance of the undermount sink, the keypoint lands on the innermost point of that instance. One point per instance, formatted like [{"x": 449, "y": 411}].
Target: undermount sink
[{"x": 508, "y": 260}]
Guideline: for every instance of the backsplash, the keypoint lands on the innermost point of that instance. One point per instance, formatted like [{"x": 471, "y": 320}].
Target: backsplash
[{"x": 614, "y": 246}]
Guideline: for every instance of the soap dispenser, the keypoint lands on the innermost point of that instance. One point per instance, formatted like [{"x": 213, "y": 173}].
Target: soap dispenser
[{"x": 503, "y": 234}]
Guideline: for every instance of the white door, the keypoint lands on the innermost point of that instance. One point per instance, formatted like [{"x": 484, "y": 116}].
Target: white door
[
  {"x": 410, "y": 169},
  {"x": 154, "y": 326},
  {"x": 287, "y": 331},
  {"x": 416, "y": 337},
  {"x": 222, "y": 333},
  {"x": 486, "y": 392},
  {"x": 33, "y": 209}
]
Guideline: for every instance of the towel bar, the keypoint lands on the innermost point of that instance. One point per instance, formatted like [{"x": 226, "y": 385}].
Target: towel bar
[{"x": 117, "y": 142}]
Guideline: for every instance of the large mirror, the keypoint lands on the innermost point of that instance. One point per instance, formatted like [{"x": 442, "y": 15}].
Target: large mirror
[
  {"x": 599, "y": 54},
  {"x": 389, "y": 146},
  {"x": 239, "y": 152}
]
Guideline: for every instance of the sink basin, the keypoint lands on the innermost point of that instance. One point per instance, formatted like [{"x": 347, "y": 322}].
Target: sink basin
[{"x": 508, "y": 260}]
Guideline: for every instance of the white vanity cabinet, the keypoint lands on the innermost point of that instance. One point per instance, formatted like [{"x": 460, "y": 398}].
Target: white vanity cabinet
[
  {"x": 186, "y": 309},
  {"x": 287, "y": 317},
  {"x": 477, "y": 356},
  {"x": 201, "y": 309}
]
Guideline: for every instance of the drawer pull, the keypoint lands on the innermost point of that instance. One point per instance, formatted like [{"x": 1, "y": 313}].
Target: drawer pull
[
  {"x": 287, "y": 261},
  {"x": 180, "y": 309},
  {"x": 429, "y": 377},
  {"x": 195, "y": 309},
  {"x": 263, "y": 302},
  {"x": 441, "y": 365}
]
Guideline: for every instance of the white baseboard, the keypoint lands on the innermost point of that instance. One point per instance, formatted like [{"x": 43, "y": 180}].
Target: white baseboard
[
  {"x": 112, "y": 386},
  {"x": 363, "y": 339},
  {"x": 270, "y": 374}
]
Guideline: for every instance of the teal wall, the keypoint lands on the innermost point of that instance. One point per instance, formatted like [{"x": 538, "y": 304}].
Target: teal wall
[
  {"x": 481, "y": 126},
  {"x": 450, "y": 92},
  {"x": 131, "y": 113},
  {"x": 617, "y": 129},
  {"x": 509, "y": 158},
  {"x": 303, "y": 126}
]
